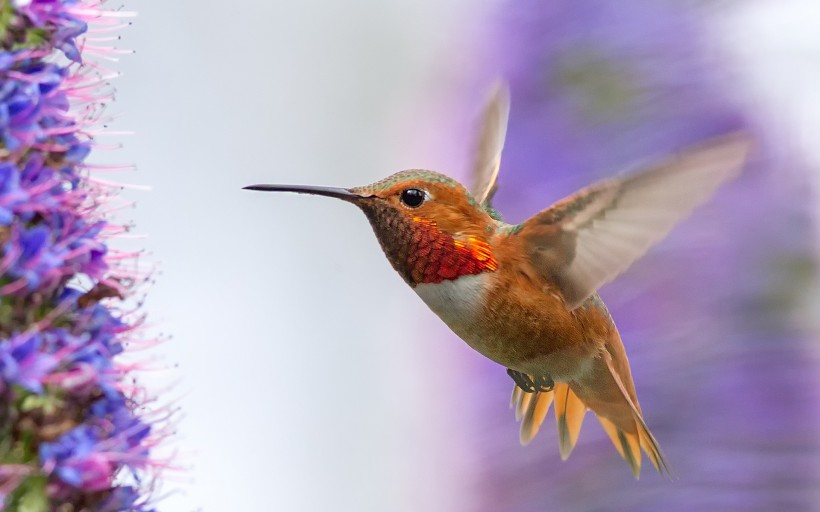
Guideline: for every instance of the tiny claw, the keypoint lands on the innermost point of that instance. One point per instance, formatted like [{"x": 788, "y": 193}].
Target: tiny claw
[
  {"x": 529, "y": 384},
  {"x": 543, "y": 383}
]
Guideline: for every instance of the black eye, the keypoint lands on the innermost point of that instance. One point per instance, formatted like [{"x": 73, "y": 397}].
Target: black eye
[{"x": 412, "y": 197}]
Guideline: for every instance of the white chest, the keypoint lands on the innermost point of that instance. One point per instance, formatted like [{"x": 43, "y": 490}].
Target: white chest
[{"x": 459, "y": 301}]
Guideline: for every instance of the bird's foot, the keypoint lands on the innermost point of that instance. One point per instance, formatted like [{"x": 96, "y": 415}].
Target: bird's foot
[{"x": 531, "y": 384}]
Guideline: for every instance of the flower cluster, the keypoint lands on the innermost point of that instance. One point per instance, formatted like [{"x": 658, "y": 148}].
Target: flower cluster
[
  {"x": 726, "y": 376},
  {"x": 70, "y": 435}
]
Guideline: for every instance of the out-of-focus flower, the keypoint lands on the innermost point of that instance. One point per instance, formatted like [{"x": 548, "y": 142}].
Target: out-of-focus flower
[
  {"x": 22, "y": 362},
  {"x": 727, "y": 379},
  {"x": 70, "y": 435}
]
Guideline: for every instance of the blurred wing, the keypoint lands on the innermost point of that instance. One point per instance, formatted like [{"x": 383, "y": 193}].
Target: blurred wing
[
  {"x": 587, "y": 239},
  {"x": 490, "y": 142}
]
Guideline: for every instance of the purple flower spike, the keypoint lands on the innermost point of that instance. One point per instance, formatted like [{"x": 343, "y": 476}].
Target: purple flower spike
[{"x": 72, "y": 436}]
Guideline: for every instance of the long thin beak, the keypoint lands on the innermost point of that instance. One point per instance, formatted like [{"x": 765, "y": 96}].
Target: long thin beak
[{"x": 339, "y": 193}]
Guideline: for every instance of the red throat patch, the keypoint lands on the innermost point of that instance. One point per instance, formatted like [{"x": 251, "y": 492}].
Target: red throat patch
[{"x": 438, "y": 257}]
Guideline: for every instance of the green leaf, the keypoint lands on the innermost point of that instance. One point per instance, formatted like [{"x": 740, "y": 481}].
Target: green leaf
[
  {"x": 47, "y": 402},
  {"x": 6, "y": 13},
  {"x": 30, "y": 496},
  {"x": 35, "y": 37}
]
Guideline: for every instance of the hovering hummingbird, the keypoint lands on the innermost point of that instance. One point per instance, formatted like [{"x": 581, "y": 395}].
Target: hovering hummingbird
[{"x": 525, "y": 295}]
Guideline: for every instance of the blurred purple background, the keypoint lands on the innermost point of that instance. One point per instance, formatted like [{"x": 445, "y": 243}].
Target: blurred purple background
[{"x": 715, "y": 319}]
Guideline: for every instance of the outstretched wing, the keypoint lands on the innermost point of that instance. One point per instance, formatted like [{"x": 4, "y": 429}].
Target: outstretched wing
[
  {"x": 587, "y": 239},
  {"x": 490, "y": 142}
]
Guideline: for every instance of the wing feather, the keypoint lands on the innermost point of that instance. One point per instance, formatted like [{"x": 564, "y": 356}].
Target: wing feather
[
  {"x": 587, "y": 239},
  {"x": 489, "y": 143}
]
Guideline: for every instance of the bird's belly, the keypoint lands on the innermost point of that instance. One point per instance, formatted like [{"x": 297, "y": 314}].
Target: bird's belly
[
  {"x": 533, "y": 333},
  {"x": 458, "y": 302}
]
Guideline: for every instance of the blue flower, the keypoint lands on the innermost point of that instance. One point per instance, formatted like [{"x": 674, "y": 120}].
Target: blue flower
[
  {"x": 55, "y": 16},
  {"x": 11, "y": 195},
  {"x": 22, "y": 363},
  {"x": 76, "y": 458},
  {"x": 30, "y": 99},
  {"x": 87, "y": 456},
  {"x": 124, "y": 499},
  {"x": 37, "y": 258}
]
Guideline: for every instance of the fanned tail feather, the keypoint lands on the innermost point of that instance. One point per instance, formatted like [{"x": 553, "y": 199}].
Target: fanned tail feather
[
  {"x": 531, "y": 409},
  {"x": 627, "y": 444},
  {"x": 569, "y": 415},
  {"x": 645, "y": 438},
  {"x": 652, "y": 448}
]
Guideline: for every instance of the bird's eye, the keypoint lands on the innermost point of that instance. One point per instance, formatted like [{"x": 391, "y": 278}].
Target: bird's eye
[{"x": 412, "y": 197}]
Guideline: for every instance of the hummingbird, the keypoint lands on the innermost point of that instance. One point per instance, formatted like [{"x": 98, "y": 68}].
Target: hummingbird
[{"x": 525, "y": 295}]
